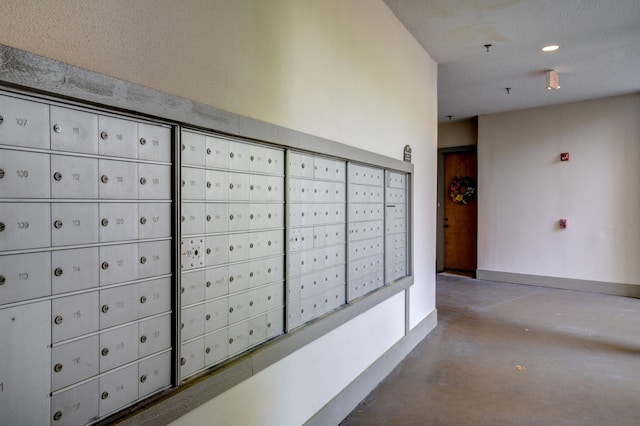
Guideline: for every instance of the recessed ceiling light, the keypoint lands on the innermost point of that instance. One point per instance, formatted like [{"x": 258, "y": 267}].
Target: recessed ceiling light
[{"x": 550, "y": 48}]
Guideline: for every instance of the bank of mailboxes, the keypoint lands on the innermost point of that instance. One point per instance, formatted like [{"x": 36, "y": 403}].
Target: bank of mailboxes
[
  {"x": 232, "y": 248},
  {"x": 85, "y": 262},
  {"x": 396, "y": 225},
  {"x": 316, "y": 236}
]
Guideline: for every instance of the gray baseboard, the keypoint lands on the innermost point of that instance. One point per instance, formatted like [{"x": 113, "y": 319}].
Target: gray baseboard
[
  {"x": 616, "y": 289},
  {"x": 342, "y": 404}
]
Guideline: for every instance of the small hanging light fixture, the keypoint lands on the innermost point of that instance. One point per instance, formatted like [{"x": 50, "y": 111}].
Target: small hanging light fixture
[{"x": 552, "y": 80}]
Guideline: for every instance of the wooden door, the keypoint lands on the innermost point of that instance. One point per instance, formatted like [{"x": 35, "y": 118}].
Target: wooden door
[{"x": 460, "y": 220}]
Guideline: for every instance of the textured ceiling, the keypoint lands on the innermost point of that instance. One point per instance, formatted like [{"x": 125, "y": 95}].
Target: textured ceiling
[{"x": 599, "y": 51}]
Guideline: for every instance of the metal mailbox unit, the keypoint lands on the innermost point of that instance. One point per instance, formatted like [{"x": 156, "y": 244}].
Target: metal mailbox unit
[{"x": 85, "y": 261}]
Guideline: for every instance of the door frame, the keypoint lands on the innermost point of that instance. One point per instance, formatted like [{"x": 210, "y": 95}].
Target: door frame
[{"x": 440, "y": 201}]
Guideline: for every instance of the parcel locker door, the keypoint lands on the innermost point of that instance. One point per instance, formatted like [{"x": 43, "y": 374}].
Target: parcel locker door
[
  {"x": 154, "y": 142},
  {"x": 74, "y": 177},
  {"x": 154, "y": 374},
  {"x": 24, "y": 123},
  {"x": 25, "y": 225},
  {"x": 26, "y": 364},
  {"x": 73, "y": 130},
  {"x": 76, "y": 269},
  {"x": 24, "y": 276},
  {"x": 154, "y": 220},
  {"x": 74, "y": 361},
  {"x": 73, "y": 316},
  {"x": 76, "y": 406},
  {"x": 118, "y": 179},
  {"x": 117, "y": 137},
  {"x": 74, "y": 223},
  {"x": 154, "y": 181},
  {"x": 24, "y": 174}
]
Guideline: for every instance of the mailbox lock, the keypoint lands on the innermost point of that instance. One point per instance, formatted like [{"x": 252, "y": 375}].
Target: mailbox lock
[
  {"x": 207, "y": 350},
  {"x": 269, "y": 215},
  {"x": 251, "y": 187},
  {"x": 208, "y": 251},
  {"x": 269, "y": 188},
  {"x": 251, "y": 216},
  {"x": 104, "y": 222},
  {"x": 269, "y": 161},
  {"x": 231, "y": 217},
  {"x": 105, "y": 309},
  {"x": 57, "y": 176},
  {"x": 251, "y": 245},
  {"x": 2, "y": 279},
  {"x": 208, "y": 218},
  {"x": 104, "y": 136},
  {"x": 230, "y": 248},
  {"x": 143, "y": 181},
  {"x": 250, "y": 332},
  {"x": 57, "y": 368},
  {"x": 182, "y": 147},
  {"x": 143, "y": 260},
  {"x": 231, "y": 340},
  {"x": 57, "y": 224},
  {"x": 268, "y": 325},
  {"x": 231, "y": 310},
  {"x": 57, "y": 128},
  {"x": 143, "y": 339},
  {"x": 105, "y": 352},
  {"x": 251, "y": 158},
  {"x": 143, "y": 220},
  {"x": 143, "y": 141},
  {"x": 182, "y": 183},
  {"x": 303, "y": 166},
  {"x": 208, "y": 151},
  {"x": 251, "y": 274},
  {"x": 143, "y": 299},
  {"x": 208, "y": 317},
  {"x": 58, "y": 320},
  {"x": 1, "y": 226},
  {"x": 231, "y": 154},
  {"x": 181, "y": 325},
  {"x": 57, "y": 415},
  {"x": 230, "y": 186},
  {"x": 231, "y": 279},
  {"x": 183, "y": 361},
  {"x": 104, "y": 178},
  {"x": 104, "y": 395},
  {"x": 143, "y": 378},
  {"x": 105, "y": 265},
  {"x": 251, "y": 303},
  {"x": 208, "y": 284},
  {"x": 1, "y": 119},
  {"x": 269, "y": 270},
  {"x": 269, "y": 243},
  {"x": 58, "y": 272},
  {"x": 182, "y": 290},
  {"x": 208, "y": 184},
  {"x": 1, "y": 173}
]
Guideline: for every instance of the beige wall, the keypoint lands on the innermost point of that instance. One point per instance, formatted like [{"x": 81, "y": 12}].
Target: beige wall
[
  {"x": 343, "y": 70},
  {"x": 458, "y": 133},
  {"x": 526, "y": 190}
]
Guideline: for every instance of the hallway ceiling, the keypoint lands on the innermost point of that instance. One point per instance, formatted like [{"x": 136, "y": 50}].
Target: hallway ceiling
[{"x": 599, "y": 51}]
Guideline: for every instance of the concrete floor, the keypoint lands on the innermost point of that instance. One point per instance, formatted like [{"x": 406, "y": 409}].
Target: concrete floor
[{"x": 506, "y": 354}]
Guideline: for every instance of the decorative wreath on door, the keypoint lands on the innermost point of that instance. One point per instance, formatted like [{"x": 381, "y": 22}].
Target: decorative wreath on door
[{"x": 462, "y": 189}]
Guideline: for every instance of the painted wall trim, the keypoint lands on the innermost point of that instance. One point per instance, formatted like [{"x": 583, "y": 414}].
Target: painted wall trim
[
  {"x": 615, "y": 289},
  {"x": 343, "y": 403}
]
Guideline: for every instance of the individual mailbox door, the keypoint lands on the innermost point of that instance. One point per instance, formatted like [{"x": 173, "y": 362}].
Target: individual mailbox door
[
  {"x": 216, "y": 314},
  {"x": 274, "y": 267},
  {"x": 193, "y": 184},
  {"x": 117, "y": 137},
  {"x": 193, "y": 218},
  {"x": 154, "y": 258},
  {"x": 154, "y": 142},
  {"x": 76, "y": 406},
  {"x": 24, "y": 123},
  {"x": 275, "y": 323},
  {"x": 275, "y": 242},
  {"x": 307, "y": 188},
  {"x": 257, "y": 158},
  {"x": 257, "y": 330},
  {"x": 217, "y": 152},
  {"x": 239, "y": 156},
  {"x": 118, "y": 222},
  {"x": 216, "y": 347},
  {"x": 273, "y": 296},
  {"x": 118, "y": 305},
  {"x": 74, "y": 177},
  {"x": 258, "y": 216},
  {"x": 191, "y": 357},
  {"x": 74, "y": 361},
  {"x": 258, "y": 188},
  {"x": 192, "y": 322},
  {"x": 118, "y": 263},
  {"x": 24, "y": 225},
  {"x": 238, "y": 337},
  {"x": 274, "y": 161},
  {"x": 238, "y": 307},
  {"x": 257, "y": 273},
  {"x": 217, "y": 185},
  {"x": 73, "y": 130},
  {"x": 239, "y": 246},
  {"x": 118, "y": 179},
  {"x": 74, "y": 316},
  {"x": 118, "y": 389},
  {"x": 24, "y": 174},
  {"x": 154, "y": 182},
  {"x": 256, "y": 244},
  {"x": 154, "y": 220},
  {"x": 118, "y": 346},
  {"x": 154, "y": 335},
  {"x": 154, "y": 297},
  {"x": 216, "y": 218},
  {"x": 154, "y": 374},
  {"x": 238, "y": 217},
  {"x": 193, "y": 148},
  {"x": 239, "y": 277},
  {"x": 294, "y": 289},
  {"x": 217, "y": 250},
  {"x": 76, "y": 269},
  {"x": 216, "y": 282},
  {"x": 238, "y": 187},
  {"x": 294, "y": 315},
  {"x": 193, "y": 285},
  {"x": 74, "y": 223},
  {"x": 295, "y": 190},
  {"x": 24, "y": 276},
  {"x": 295, "y": 264},
  {"x": 300, "y": 164}
]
